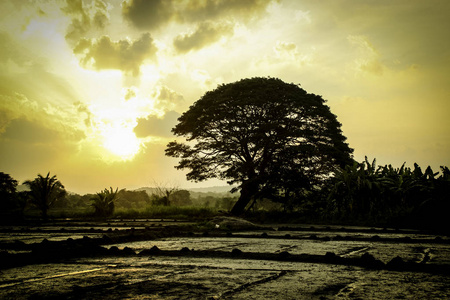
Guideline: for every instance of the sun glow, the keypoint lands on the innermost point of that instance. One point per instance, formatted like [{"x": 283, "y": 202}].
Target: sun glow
[{"x": 121, "y": 142}]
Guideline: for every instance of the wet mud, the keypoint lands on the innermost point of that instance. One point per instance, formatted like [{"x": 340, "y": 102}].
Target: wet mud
[{"x": 186, "y": 261}]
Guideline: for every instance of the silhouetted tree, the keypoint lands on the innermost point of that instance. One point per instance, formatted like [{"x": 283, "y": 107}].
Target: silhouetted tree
[
  {"x": 180, "y": 198},
  {"x": 8, "y": 194},
  {"x": 8, "y": 185},
  {"x": 272, "y": 138},
  {"x": 44, "y": 191},
  {"x": 132, "y": 199},
  {"x": 434, "y": 208},
  {"x": 366, "y": 192},
  {"x": 225, "y": 203},
  {"x": 357, "y": 189},
  {"x": 162, "y": 193},
  {"x": 103, "y": 202}
]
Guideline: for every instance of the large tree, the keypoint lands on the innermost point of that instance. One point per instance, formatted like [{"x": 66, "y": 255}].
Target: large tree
[
  {"x": 44, "y": 191},
  {"x": 269, "y": 137}
]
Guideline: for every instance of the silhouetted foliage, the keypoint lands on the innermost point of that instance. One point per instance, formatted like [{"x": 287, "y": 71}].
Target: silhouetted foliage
[
  {"x": 181, "y": 198},
  {"x": 44, "y": 192},
  {"x": 159, "y": 200},
  {"x": 272, "y": 138},
  {"x": 225, "y": 203},
  {"x": 365, "y": 191},
  {"x": 103, "y": 202},
  {"x": 12, "y": 203},
  {"x": 132, "y": 199},
  {"x": 8, "y": 187},
  {"x": 162, "y": 194}
]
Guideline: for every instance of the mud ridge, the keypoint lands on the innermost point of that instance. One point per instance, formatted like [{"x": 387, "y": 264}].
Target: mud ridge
[
  {"x": 249, "y": 284},
  {"x": 365, "y": 261},
  {"x": 53, "y": 252}
]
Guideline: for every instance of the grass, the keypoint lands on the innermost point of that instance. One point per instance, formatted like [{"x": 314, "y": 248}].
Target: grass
[
  {"x": 164, "y": 212},
  {"x": 150, "y": 212}
]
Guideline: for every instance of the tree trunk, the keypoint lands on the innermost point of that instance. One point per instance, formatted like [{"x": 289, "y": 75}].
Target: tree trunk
[{"x": 248, "y": 190}]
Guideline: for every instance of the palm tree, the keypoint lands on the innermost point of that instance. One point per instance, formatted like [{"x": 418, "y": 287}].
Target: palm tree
[
  {"x": 44, "y": 191},
  {"x": 103, "y": 202}
]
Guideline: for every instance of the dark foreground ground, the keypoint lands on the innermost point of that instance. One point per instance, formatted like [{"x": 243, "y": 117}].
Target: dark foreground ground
[{"x": 223, "y": 259}]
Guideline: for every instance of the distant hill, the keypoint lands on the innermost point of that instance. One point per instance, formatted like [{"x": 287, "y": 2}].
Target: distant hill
[
  {"x": 195, "y": 192},
  {"x": 149, "y": 190},
  {"x": 213, "y": 189}
]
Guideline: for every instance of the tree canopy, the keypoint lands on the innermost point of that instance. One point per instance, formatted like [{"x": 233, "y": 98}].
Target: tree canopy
[{"x": 269, "y": 137}]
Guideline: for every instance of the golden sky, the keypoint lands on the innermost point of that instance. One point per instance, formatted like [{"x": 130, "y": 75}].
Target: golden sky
[{"x": 90, "y": 89}]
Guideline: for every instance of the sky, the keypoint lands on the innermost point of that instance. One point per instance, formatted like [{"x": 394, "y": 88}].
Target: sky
[{"x": 89, "y": 90}]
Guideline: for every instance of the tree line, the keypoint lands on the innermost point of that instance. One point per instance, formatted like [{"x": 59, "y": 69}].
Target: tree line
[{"x": 47, "y": 192}]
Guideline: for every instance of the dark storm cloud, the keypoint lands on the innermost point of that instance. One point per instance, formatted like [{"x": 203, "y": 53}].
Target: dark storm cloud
[
  {"x": 103, "y": 54},
  {"x": 206, "y": 33},
  {"x": 154, "y": 126}
]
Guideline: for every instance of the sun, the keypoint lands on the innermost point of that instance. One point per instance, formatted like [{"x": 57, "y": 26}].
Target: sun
[{"x": 121, "y": 142}]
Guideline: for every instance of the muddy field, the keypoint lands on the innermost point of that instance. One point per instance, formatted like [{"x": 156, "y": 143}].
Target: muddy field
[{"x": 165, "y": 259}]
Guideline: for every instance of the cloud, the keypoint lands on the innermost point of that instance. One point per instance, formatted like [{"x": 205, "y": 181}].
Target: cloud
[
  {"x": 73, "y": 7},
  {"x": 206, "y": 33},
  {"x": 32, "y": 132},
  {"x": 11, "y": 51},
  {"x": 154, "y": 126},
  {"x": 129, "y": 93},
  {"x": 211, "y": 10},
  {"x": 148, "y": 15},
  {"x": 369, "y": 58},
  {"x": 104, "y": 54},
  {"x": 31, "y": 122},
  {"x": 37, "y": 84},
  {"x": 214, "y": 19},
  {"x": 287, "y": 51},
  {"x": 23, "y": 72},
  {"x": 85, "y": 18},
  {"x": 285, "y": 55},
  {"x": 83, "y": 108},
  {"x": 29, "y": 147},
  {"x": 167, "y": 98}
]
